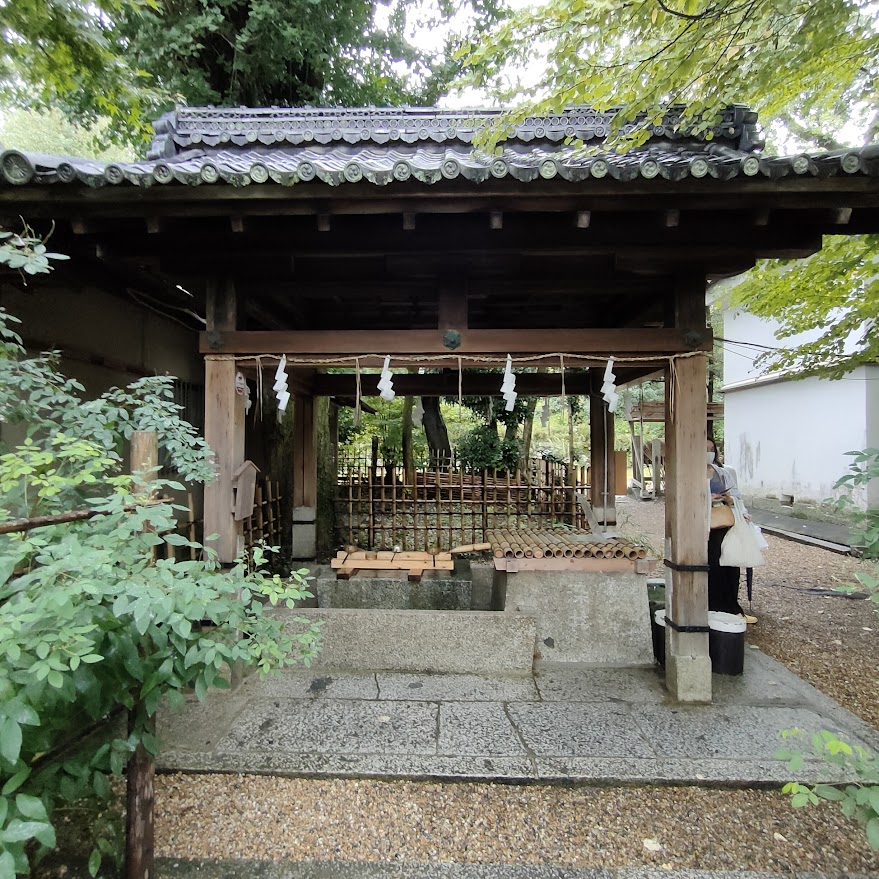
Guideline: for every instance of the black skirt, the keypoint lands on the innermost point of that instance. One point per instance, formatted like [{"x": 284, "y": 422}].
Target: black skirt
[{"x": 723, "y": 583}]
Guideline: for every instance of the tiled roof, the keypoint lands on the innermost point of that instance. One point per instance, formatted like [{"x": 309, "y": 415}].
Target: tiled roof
[{"x": 238, "y": 147}]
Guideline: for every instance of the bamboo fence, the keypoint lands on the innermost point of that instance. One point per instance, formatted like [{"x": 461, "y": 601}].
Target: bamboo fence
[
  {"x": 379, "y": 508},
  {"x": 265, "y": 522}
]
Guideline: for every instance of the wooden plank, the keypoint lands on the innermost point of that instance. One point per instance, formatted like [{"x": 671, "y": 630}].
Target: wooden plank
[
  {"x": 414, "y": 575},
  {"x": 376, "y": 344},
  {"x": 385, "y": 564}
]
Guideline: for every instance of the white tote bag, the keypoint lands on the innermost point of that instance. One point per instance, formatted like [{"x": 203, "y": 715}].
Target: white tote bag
[{"x": 740, "y": 548}]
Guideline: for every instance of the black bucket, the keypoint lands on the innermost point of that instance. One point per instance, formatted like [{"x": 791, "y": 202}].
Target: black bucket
[
  {"x": 657, "y": 630},
  {"x": 726, "y": 643}
]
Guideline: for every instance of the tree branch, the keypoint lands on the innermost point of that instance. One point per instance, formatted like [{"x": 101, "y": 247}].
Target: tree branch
[{"x": 804, "y": 132}]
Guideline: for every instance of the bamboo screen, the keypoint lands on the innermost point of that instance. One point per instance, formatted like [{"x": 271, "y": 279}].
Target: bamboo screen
[{"x": 378, "y": 508}]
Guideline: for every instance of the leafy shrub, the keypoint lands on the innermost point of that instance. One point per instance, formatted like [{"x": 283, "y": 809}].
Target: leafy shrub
[
  {"x": 859, "y": 800},
  {"x": 482, "y": 449},
  {"x": 862, "y": 471},
  {"x": 90, "y": 621}
]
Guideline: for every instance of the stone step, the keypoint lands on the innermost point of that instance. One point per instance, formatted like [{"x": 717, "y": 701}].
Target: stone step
[{"x": 456, "y": 642}]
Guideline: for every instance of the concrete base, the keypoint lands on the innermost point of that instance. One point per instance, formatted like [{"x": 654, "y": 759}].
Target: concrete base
[
  {"x": 458, "y": 642},
  {"x": 304, "y": 533},
  {"x": 586, "y": 617},
  {"x": 688, "y": 678},
  {"x": 437, "y": 590}
]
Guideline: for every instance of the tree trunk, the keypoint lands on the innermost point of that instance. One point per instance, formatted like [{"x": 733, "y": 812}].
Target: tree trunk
[
  {"x": 527, "y": 429},
  {"x": 408, "y": 451},
  {"x": 436, "y": 433}
]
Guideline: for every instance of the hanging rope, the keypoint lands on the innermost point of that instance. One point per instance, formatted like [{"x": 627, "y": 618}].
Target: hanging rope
[
  {"x": 357, "y": 392},
  {"x": 460, "y": 384},
  {"x": 499, "y": 359}
]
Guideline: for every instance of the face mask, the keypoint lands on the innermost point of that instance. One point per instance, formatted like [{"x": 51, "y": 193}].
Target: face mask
[{"x": 710, "y": 456}]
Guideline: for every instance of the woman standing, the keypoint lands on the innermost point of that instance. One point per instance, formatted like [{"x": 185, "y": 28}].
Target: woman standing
[{"x": 723, "y": 582}]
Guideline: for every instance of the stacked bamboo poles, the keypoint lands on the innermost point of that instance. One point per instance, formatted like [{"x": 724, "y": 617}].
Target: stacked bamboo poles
[{"x": 546, "y": 543}]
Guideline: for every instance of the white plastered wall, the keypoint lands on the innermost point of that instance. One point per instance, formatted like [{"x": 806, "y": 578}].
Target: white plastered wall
[{"x": 786, "y": 436}]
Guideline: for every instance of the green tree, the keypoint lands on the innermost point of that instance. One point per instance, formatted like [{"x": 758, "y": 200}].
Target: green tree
[
  {"x": 289, "y": 52},
  {"x": 57, "y": 53},
  {"x": 49, "y": 131},
  {"x": 812, "y": 71},
  {"x": 648, "y": 57},
  {"x": 128, "y": 60}
]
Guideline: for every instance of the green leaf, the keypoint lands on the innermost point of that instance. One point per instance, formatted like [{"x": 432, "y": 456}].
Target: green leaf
[
  {"x": 94, "y": 862},
  {"x": 7, "y": 866},
  {"x": 21, "y": 831},
  {"x": 873, "y": 832},
  {"x": 10, "y": 740},
  {"x": 31, "y": 807},
  {"x": 14, "y": 783}
]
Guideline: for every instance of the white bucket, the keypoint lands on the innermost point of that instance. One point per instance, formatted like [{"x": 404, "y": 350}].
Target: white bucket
[{"x": 726, "y": 622}]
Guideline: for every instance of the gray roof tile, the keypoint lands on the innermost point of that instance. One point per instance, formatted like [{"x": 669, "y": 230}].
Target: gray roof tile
[{"x": 337, "y": 147}]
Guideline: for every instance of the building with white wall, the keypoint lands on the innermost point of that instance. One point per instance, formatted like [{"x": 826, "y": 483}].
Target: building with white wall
[{"x": 785, "y": 435}]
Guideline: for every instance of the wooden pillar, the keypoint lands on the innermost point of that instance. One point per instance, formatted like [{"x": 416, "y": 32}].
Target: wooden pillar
[
  {"x": 688, "y": 667},
  {"x": 224, "y": 428},
  {"x": 304, "y": 477},
  {"x": 602, "y": 489}
]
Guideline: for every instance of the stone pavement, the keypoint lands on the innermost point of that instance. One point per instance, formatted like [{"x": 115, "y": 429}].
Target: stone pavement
[
  {"x": 560, "y": 724},
  {"x": 824, "y": 534}
]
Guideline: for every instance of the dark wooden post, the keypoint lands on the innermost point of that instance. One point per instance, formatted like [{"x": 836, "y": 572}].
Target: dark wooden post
[
  {"x": 601, "y": 440},
  {"x": 304, "y": 478},
  {"x": 141, "y": 773},
  {"x": 688, "y": 666},
  {"x": 224, "y": 427}
]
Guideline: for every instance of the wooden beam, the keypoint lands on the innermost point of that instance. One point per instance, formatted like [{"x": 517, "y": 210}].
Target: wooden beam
[
  {"x": 690, "y": 311},
  {"x": 761, "y": 217},
  {"x": 496, "y": 220},
  {"x": 236, "y": 223},
  {"x": 660, "y": 341},
  {"x": 304, "y": 452},
  {"x": 842, "y": 216},
  {"x": 323, "y": 222},
  {"x": 154, "y": 225},
  {"x": 602, "y": 489},
  {"x": 408, "y": 221},
  {"x": 79, "y": 226},
  {"x": 688, "y": 667},
  {"x": 671, "y": 218},
  {"x": 452, "y": 309},
  {"x": 583, "y": 219}
]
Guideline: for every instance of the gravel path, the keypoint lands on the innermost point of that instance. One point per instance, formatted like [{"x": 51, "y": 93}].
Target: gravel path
[
  {"x": 830, "y": 641},
  {"x": 678, "y": 828}
]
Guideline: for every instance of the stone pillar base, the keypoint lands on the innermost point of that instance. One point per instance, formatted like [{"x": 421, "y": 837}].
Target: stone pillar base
[
  {"x": 304, "y": 537},
  {"x": 688, "y": 678}
]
